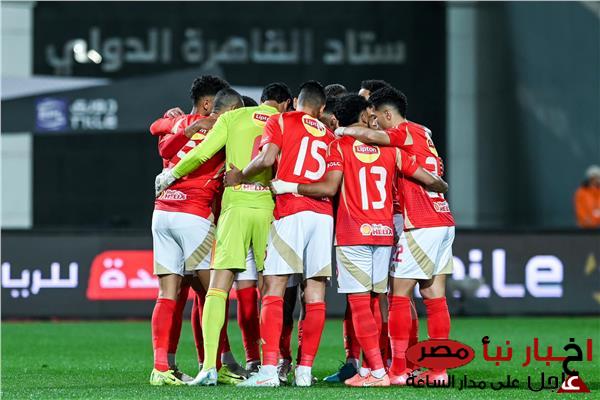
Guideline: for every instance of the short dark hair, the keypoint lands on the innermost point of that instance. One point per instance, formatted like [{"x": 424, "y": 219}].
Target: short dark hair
[
  {"x": 331, "y": 104},
  {"x": 249, "y": 101},
  {"x": 349, "y": 108},
  {"x": 335, "y": 90},
  {"x": 206, "y": 85},
  {"x": 374, "y": 84},
  {"x": 226, "y": 98},
  {"x": 312, "y": 94},
  {"x": 389, "y": 96},
  {"x": 276, "y": 91}
]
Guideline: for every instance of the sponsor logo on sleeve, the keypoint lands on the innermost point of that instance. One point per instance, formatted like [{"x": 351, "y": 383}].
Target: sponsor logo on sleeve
[{"x": 313, "y": 126}]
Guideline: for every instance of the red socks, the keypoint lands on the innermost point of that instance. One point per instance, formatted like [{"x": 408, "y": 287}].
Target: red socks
[
  {"x": 400, "y": 323},
  {"x": 366, "y": 328},
  {"x": 438, "y": 318},
  {"x": 300, "y": 331},
  {"x": 414, "y": 332},
  {"x": 162, "y": 322},
  {"x": 271, "y": 323},
  {"x": 351, "y": 344},
  {"x": 285, "y": 343},
  {"x": 312, "y": 329},
  {"x": 197, "y": 325},
  {"x": 247, "y": 316},
  {"x": 178, "y": 319}
]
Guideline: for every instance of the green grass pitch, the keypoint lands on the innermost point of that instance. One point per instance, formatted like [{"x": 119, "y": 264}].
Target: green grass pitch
[{"x": 112, "y": 360}]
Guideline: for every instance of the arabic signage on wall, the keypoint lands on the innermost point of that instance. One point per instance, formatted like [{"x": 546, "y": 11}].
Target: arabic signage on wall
[
  {"x": 254, "y": 43},
  {"x": 91, "y": 276},
  {"x": 139, "y": 39}
]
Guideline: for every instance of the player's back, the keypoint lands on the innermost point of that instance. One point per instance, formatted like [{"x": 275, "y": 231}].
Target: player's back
[
  {"x": 244, "y": 131},
  {"x": 195, "y": 192},
  {"x": 364, "y": 213},
  {"x": 212, "y": 169},
  {"x": 421, "y": 208},
  {"x": 303, "y": 142}
]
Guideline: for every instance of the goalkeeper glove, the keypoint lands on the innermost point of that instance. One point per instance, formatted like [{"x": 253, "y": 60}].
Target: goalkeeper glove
[
  {"x": 163, "y": 181},
  {"x": 281, "y": 187}
]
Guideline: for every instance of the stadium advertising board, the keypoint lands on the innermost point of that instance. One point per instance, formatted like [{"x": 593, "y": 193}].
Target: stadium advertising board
[{"x": 90, "y": 276}]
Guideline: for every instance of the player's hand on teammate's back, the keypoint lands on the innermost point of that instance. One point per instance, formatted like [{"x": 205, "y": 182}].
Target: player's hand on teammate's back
[
  {"x": 233, "y": 177},
  {"x": 163, "y": 181},
  {"x": 204, "y": 123},
  {"x": 280, "y": 187},
  {"x": 339, "y": 132},
  {"x": 174, "y": 112}
]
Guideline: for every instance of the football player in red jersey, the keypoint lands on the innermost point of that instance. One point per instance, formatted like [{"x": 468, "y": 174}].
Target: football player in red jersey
[
  {"x": 425, "y": 248},
  {"x": 178, "y": 240},
  {"x": 301, "y": 235},
  {"x": 364, "y": 227},
  {"x": 245, "y": 283},
  {"x": 181, "y": 228}
]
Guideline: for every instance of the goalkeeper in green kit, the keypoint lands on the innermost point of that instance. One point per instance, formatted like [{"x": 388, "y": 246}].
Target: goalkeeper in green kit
[{"x": 246, "y": 210}]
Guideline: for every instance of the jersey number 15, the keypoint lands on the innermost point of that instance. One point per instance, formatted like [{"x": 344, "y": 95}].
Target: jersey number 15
[{"x": 318, "y": 149}]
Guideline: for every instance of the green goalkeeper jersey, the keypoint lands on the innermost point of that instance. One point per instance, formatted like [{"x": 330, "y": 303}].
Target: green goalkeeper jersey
[{"x": 240, "y": 132}]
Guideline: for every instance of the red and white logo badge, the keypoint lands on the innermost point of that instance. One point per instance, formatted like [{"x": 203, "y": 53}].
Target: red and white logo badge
[{"x": 573, "y": 384}]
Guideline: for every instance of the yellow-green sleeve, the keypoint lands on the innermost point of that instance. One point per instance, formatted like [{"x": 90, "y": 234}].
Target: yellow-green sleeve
[{"x": 215, "y": 141}]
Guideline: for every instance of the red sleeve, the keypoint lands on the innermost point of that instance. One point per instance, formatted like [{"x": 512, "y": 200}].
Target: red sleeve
[
  {"x": 335, "y": 158},
  {"x": 162, "y": 126},
  {"x": 273, "y": 132},
  {"x": 398, "y": 137},
  {"x": 406, "y": 163},
  {"x": 170, "y": 144}
]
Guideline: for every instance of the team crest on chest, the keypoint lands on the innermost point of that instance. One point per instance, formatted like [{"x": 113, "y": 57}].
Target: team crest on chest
[
  {"x": 365, "y": 153},
  {"x": 313, "y": 126}
]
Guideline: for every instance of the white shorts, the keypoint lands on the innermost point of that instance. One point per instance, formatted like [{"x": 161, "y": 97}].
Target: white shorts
[
  {"x": 250, "y": 273},
  {"x": 182, "y": 242},
  {"x": 300, "y": 244},
  {"x": 363, "y": 268},
  {"x": 398, "y": 229},
  {"x": 423, "y": 253}
]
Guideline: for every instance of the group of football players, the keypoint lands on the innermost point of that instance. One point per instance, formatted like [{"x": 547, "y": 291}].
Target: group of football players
[{"x": 274, "y": 175}]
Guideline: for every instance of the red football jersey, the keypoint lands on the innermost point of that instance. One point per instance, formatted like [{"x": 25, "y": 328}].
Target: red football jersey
[
  {"x": 365, "y": 210},
  {"x": 303, "y": 142},
  {"x": 398, "y": 196},
  {"x": 194, "y": 193},
  {"x": 422, "y": 209}
]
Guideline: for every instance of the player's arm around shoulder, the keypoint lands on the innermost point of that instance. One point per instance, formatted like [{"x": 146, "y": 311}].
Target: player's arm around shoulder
[
  {"x": 215, "y": 140},
  {"x": 408, "y": 166},
  {"x": 365, "y": 135},
  {"x": 328, "y": 187}
]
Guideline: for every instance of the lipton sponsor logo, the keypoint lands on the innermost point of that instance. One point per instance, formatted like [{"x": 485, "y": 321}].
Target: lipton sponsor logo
[
  {"x": 313, "y": 126},
  {"x": 260, "y": 119},
  {"x": 365, "y": 153},
  {"x": 171, "y": 194},
  {"x": 438, "y": 353},
  {"x": 376, "y": 230}
]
